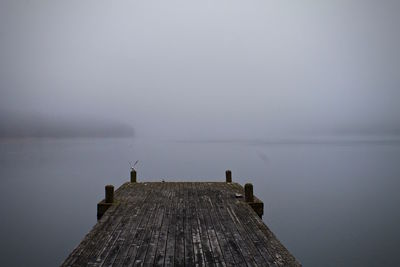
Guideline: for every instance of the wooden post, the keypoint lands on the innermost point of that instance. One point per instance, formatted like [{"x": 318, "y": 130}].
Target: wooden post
[
  {"x": 228, "y": 175},
  {"x": 133, "y": 176},
  {"x": 248, "y": 193},
  {"x": 109, "y": 194}
]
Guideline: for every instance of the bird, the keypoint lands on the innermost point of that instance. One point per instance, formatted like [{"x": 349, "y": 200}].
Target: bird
[{"x": 133, "y": 166}]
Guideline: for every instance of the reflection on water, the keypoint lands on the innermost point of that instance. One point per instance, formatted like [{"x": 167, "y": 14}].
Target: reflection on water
[{"x": 332, "y": 203}]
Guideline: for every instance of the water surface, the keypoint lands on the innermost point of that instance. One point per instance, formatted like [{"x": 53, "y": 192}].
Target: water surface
[{"x": 330, "y": 203}]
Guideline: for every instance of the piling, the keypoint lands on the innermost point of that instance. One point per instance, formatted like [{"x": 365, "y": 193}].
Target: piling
[
  {"x": 228, "y": 175},
  {"x": 107, "y": 202},
  {"x": 248, "y": 192},
  {"x": 133, "y": 176},
  {"x": 109, "y": 194}
]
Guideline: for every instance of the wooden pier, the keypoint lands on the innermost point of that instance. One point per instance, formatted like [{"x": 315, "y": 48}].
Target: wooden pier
[{"x": 180, "y": 224}]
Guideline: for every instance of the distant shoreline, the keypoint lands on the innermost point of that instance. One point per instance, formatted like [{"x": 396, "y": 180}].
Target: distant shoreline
[
  {"x": 19, "y": 126},
  {"x": 332, "y": 140}
]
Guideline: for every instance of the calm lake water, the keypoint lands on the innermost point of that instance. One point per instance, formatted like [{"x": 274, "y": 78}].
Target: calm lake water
[{"x": 330, "y": 203}]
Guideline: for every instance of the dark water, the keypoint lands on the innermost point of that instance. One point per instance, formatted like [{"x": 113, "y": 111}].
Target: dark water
[{"x": 331, "y": 204}]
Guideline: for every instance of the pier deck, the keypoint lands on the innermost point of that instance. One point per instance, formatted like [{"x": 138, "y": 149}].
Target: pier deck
[{"x": 180, "y": 224}]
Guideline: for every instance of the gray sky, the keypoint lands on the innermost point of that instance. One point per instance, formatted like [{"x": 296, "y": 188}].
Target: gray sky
[{"x": 206, "y": 69}]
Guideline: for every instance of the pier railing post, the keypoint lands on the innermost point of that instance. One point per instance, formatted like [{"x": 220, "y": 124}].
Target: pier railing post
[
  {"x": 228, "y": 175},
  {"x": 109, "y": 194},
  {"x": 248, "y": 192},
  {"x": 133, "y": 176}
]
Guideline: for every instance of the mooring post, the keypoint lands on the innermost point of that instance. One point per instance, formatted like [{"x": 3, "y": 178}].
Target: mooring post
[
  {"x": 103, "y": 205},
  {"x": 228, "y": 175},
  {"x": 109, "y": 194},
  {"x": 248, "y": 193},
  {"x": 133, "y": 176}
]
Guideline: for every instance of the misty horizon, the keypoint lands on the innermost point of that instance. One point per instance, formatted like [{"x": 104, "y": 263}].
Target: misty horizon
[{"x": 15, "y": 124}]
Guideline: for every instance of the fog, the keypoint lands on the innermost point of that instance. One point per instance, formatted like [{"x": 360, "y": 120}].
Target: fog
[
  {"x": 206, "y": 69},
  {"x": 300, "y": 98}
]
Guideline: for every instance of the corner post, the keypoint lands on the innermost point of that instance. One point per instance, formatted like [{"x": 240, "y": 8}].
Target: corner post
[
  {"x": 228, "y": 175},
  {"x": 109, "y": 194},
  {"x": 248, "y": 192},
  {"x": 133, "y": 176}
]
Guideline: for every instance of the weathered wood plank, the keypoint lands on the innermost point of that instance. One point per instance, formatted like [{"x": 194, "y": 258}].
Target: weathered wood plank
[
  {"x": 141, "y": 230},
  {"x": 147, "y": 249},
  {"x": 139, "y": 197},
  {"x": 195, "y": 228},
  {"x": 188, "y": 217},
  {"x": 205, "y": 241},
  {"x": 170, "y": 249},
  {"x": 159, "y": 221},
  {"x": 144, "y": 240},
  {"x": 228, "y": 229},
  {"x": 179, "y": 258},
  {"x": 162, "y": 242},
  {"x": 226, "y": 251},
  {"x": 216, "y": 250}
]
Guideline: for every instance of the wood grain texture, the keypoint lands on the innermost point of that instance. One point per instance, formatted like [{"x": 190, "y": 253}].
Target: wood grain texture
[{"x": 180, "y": 224}]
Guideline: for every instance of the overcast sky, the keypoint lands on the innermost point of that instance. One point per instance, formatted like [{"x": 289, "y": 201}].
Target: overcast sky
[{"x": 206, "y": 69}]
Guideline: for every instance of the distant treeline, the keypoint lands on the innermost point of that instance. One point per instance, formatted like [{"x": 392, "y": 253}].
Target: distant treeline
[{"x": 13, "y": 125}]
